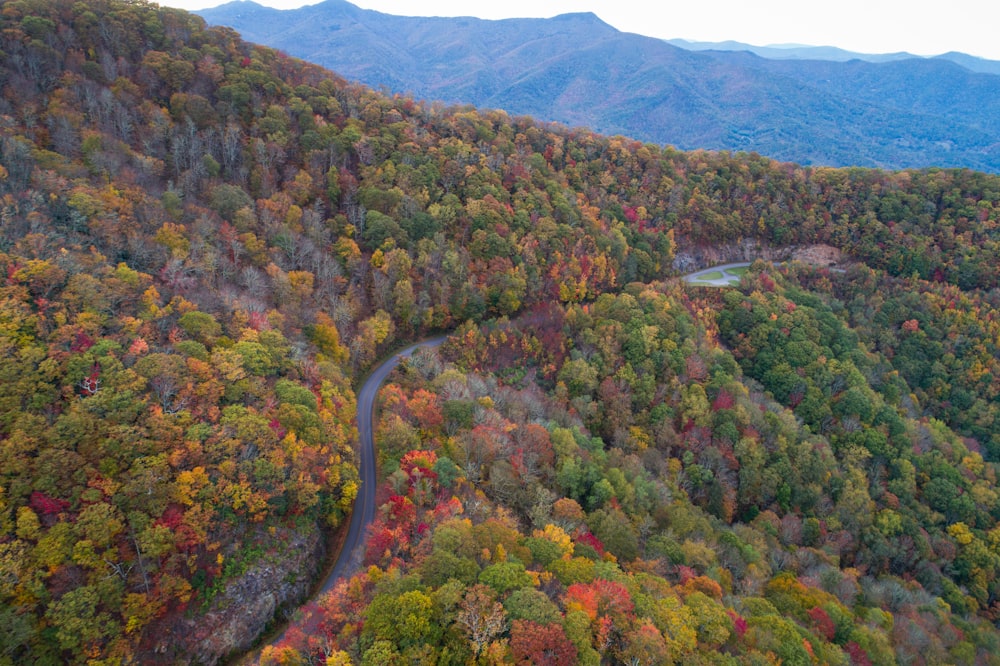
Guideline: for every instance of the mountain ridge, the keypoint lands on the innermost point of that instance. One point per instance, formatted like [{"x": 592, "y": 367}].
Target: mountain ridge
[
  {"x": 835, "y": 53},
  {"x": 578, "y": 70}
]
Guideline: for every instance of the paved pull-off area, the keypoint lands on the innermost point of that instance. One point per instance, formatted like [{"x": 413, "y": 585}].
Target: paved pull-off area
[{"x": 726, "y": 275}]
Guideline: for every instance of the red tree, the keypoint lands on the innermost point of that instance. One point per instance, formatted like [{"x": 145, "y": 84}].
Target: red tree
[{"x": 540, "y": 645}]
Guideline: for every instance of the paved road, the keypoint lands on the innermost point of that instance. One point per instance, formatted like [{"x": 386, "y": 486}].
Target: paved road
[
  {"x": 353, "y": 551},
  {"x": 727, "y": 277}
]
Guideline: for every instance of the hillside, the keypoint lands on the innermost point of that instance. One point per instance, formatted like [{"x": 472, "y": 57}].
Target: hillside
[
  {"x": 205, "y": 245},
  {"x": 579, "y": 71}
]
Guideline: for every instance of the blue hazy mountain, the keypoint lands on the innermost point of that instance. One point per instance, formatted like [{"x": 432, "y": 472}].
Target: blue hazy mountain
[{"x": 823, "y": 106}]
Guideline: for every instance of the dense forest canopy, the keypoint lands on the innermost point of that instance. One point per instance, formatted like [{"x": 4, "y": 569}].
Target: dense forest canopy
[{"x": 205, "y": 244}]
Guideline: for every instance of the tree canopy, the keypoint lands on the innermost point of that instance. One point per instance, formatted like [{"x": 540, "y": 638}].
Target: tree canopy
[{"x": 204, "y": 244}]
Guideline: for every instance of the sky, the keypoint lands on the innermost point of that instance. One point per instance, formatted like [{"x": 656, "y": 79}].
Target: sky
[{"x": 864, "y": 26}]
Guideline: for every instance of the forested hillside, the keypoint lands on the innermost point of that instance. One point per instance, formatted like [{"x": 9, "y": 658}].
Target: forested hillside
[
  {"x": 205, "y": 245},
  {"x": 578, "y": 70}
]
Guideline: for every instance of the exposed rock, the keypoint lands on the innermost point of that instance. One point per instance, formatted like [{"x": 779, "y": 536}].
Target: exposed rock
[
  {"x": 818, "y": 255},
  {"x": 237, "y": 616},
  {"x": 695, "y": 258}
]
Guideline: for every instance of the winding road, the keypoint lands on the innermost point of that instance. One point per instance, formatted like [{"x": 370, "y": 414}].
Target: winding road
[{"x": 353, "y": 551}]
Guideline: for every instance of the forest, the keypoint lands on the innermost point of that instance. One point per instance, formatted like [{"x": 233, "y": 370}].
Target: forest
[{"x": 206, "y": 244}]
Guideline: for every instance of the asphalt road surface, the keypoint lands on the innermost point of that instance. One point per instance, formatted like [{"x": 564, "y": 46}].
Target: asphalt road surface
[
  {"x": 353, "y": 551},
  {"x": 727, "y": 279}
]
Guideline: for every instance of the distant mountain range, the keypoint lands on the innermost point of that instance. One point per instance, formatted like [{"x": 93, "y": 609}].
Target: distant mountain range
[
  {"x": 821, "y": 106},
  {"x": 803, "y": 52}
]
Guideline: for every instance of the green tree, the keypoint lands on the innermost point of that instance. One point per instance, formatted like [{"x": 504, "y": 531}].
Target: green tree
[
  {"x": 77, "y": 621},
  {"x": 505, "y": 576}
]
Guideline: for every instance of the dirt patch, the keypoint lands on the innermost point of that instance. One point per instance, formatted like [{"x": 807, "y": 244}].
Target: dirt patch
[{"x": 818, "y": 255}]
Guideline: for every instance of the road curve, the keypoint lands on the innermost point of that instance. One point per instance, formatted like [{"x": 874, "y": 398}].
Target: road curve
[{"x": 353, "y": 551}]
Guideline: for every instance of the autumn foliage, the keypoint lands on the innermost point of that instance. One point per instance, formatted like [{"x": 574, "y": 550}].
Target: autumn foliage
[{"x": 205, "y": 244}]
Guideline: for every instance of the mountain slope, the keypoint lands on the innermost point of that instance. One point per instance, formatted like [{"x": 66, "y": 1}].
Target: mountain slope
[
  {"x": 577, "y": 70},
  {"x": 204, "y": 245}
]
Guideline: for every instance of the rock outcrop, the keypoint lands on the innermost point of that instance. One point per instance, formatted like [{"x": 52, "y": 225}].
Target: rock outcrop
[
  {"x": 691, "y": 258},
  {"x": 238, "y": 616}
]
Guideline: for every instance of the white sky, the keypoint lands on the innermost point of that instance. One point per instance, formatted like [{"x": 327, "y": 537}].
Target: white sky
[{"x": 865, "y": 26}]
